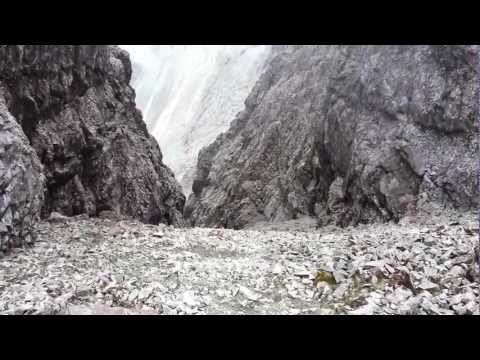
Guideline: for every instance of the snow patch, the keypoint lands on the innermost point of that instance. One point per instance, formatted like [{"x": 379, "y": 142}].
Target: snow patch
[{"x": 189, "y": 94}]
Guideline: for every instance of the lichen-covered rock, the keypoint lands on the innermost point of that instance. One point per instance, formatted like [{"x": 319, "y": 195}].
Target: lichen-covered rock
[
  {"x": 22, "y": 184},
  {"x": 76, "y": 106},
  {"x": 346, "y": 134}
]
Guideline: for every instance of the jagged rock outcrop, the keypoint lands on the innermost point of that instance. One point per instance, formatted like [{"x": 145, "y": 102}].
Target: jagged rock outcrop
[
  {"x": 22, "y": 184},
  {"x": 76, "y": 106},
  {"x": 347, "y": 134}
]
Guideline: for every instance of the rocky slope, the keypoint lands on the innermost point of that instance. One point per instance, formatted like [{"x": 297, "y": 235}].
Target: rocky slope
[
  {"x": 22, "y": 184},
  {"x": 99, "y": 266},
  {"x": 346, "y": 134},
  {"x": 76, "y": 107}
]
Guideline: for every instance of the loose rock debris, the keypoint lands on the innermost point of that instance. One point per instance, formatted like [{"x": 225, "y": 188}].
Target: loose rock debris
[{"x": 104, "y": 266}]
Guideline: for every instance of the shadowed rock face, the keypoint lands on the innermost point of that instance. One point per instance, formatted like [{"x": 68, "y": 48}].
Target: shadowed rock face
[
  {"x": 76, "y": 107},
  {"x": 347, "y": 134},
  {"x": 22, "y": 184}
]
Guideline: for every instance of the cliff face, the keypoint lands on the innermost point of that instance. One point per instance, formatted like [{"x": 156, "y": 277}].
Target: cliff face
[
  {"x": 78, "y": 111},
  {"x": 22, "y": 184},
  {"x": 347, "y": 134}
]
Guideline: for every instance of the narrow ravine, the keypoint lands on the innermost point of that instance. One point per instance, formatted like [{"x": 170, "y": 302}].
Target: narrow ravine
[
  {"x": 284, "y": 179},
  {"x": 189, "y": 94}
]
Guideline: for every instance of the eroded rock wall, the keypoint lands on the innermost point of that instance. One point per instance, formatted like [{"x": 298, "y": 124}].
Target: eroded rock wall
[
  {"x": 347, "y": 134},
  {"x": 76, "y": 107},
  {"x": 22, "y": 184}
]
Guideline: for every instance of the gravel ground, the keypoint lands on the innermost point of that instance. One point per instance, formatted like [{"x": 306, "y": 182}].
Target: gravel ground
[{"x": 102, "y": 266}]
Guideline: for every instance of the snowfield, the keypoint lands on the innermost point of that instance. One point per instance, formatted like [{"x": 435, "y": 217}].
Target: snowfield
[{"x": 189, "y": 94}]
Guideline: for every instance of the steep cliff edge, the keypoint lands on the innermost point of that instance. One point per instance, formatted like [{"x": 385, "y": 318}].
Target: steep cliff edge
[
  {"x": 76, "y": 107},
  {"x": 347, "y": 134}
]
